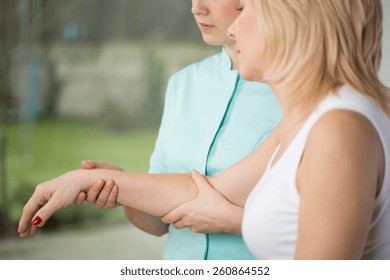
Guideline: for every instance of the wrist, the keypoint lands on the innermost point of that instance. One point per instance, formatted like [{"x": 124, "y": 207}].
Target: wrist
[{"x": 83, "y": 179}]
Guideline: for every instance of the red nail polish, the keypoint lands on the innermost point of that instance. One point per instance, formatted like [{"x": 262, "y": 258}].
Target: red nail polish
[{"x": 37, "y": 221}]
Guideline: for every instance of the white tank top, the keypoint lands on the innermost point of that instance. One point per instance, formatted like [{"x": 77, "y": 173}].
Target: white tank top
[{"x": 270, "y": 223}]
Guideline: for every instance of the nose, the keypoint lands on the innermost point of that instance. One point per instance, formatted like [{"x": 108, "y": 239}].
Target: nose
[
  {"x": 199, "y": 7},
  {"x": 231, "y": 32}
]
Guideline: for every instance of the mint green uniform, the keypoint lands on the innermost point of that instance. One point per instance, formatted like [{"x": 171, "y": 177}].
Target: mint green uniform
[{"x": 212, "y": 119}]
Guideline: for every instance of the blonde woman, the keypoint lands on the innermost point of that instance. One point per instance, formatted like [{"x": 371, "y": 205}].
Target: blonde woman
[
  {"x": 325, "y": 192},
  {"x": 319, "y": 186}
]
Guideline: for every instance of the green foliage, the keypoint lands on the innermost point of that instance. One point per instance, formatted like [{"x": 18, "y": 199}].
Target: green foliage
[{"x": 41, "y": 151}]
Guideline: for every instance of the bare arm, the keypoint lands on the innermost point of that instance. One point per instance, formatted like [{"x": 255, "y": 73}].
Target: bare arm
[
  {"x": 338, "y": 184},
  {"x": 150, "y": 193},
  {"x": 156, "y": 194}
]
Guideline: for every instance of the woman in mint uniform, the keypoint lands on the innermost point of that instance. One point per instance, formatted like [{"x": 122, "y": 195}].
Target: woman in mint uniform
[{"x": 212, "y": 119}]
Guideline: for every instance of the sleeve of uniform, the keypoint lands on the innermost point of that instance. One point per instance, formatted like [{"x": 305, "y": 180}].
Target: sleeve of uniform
[{"x": 158, "y": 159}]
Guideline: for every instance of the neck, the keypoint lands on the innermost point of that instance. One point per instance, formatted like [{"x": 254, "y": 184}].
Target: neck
[
  {"x": 286, "y": 96},
  {"x": 292, "y": 118},
  {"x": 231, "y": 51}
]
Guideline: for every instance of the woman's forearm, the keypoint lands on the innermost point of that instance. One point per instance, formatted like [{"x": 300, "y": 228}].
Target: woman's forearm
[{"x": 155, "y": 194}]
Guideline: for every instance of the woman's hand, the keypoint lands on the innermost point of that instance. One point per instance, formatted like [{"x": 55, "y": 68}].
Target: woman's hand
[
  {"x": 50, "y": 197},
  {"x": 103, "y": 194},
  {"x": 209, "y": 212}
]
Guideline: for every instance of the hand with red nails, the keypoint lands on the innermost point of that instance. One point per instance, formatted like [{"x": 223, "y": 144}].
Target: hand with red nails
[
  {"x": 50, "y": 197},
  {"x": 103, "y": 194}
]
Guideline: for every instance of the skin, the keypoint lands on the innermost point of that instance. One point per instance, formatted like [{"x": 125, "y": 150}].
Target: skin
[
  {"x": 63, "y": 190},
  {"x": 334, "y": 190},
  {"x": 102, "y": 194},
  {"x": 213, "y": 18},
  {"x": 253, "y": 43},
  {"x": 209, "y": 212}
]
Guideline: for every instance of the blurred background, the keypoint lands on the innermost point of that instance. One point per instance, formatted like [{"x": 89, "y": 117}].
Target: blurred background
[{"x": 81, "y": 80}]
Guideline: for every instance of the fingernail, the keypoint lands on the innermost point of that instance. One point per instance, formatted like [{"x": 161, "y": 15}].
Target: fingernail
[{"x": 37, "y": 221}]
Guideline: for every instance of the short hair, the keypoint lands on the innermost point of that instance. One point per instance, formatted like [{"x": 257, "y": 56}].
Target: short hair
[{"x": 316, "y": 46}]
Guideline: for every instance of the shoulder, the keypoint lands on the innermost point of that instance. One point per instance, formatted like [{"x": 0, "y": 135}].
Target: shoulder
[
  {"x": 343, "y": 126},
  {"x": 193, "y": 78},
  {"x": 343, "y": 137},
  {"x": 202, "y": 67}
]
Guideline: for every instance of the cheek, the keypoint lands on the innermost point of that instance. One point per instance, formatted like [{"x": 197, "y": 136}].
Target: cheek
[
  {"x": 229, "y": 13},
  {"x": 250, "y": 64}
]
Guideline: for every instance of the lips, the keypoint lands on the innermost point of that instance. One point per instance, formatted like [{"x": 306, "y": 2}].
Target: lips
[{"x": 204, "y": 26}]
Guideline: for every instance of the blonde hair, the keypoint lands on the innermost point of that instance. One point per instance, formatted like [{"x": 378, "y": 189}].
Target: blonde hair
[{"x": 316, "y": 46}]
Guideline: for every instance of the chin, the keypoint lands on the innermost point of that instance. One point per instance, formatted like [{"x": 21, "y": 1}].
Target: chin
[
  {"x": 249, "y": 74},
  {"x": 209, "y": 40},
  {"x": 246, "y": 75}
]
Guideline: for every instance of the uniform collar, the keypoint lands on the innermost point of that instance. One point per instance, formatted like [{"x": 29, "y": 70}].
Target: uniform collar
[{"x": 226, "y": 62}]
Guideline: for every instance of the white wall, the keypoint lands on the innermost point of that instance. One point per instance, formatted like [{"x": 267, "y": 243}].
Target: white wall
[{"x": 385, "y": 69}]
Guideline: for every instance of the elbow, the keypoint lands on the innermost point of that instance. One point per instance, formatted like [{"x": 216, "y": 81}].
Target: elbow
[
  {"x": 159, "y": 233},
  {"x": 145, "y": 222}
]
